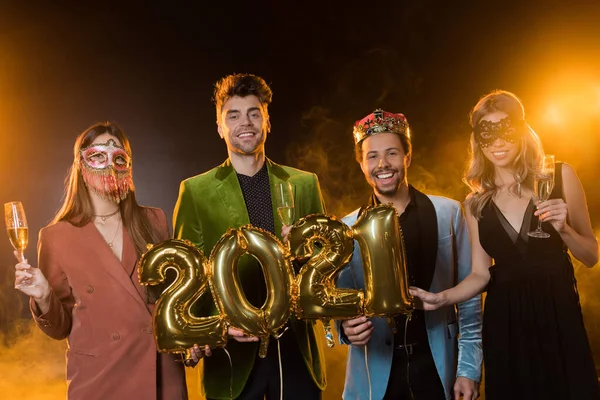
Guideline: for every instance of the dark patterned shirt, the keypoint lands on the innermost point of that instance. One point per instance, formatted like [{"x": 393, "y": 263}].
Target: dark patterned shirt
[
  {"x": 256, "y": 190},
  {"x": 257, "y": 195}
]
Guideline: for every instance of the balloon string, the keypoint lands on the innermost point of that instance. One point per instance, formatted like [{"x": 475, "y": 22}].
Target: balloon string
[
  {"x": 230, "y": 375},
  {"x": 368, "y": 373},
  {"x": 280, "y": 370},
  {"x": 277, "y": 336},
  {"x": 412, "y": 396}
]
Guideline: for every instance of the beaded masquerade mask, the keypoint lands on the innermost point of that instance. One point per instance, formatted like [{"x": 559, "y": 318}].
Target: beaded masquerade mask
[
  {"x": 107, "y": 170},
  {"x": 486, "y": 132}
]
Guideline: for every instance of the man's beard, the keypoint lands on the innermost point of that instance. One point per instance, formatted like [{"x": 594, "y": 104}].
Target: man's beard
[
  {"x": 250, "y": 147},
  {"x": 390, "y": 189}
]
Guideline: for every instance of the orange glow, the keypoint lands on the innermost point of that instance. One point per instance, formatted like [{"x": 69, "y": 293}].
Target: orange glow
[
  {"x": 566, "y": 115},
  {"x": 553, "y": 115},
  {"x": 34, "y": 369},
  {"x": 569, "y": 107}
]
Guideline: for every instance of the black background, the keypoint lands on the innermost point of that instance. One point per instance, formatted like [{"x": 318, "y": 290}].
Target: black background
[{"x": 152, "y": 66}]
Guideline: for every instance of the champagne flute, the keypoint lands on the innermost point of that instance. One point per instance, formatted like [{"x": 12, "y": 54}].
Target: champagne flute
[
  {"x": 16, "y": 227},
  {"x": 284, "y": 201},
  {"x": 543, "y": 183}
]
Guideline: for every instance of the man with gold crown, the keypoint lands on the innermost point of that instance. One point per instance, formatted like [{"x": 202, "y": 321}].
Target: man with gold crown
[{"x": 419, "y": 359}]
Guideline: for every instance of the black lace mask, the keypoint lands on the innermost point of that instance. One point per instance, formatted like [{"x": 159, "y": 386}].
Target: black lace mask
[{"x": 487, "y": 132}]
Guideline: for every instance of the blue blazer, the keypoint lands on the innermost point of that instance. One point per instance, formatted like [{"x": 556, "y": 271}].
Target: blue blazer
[{"x": 452, "y": 265}]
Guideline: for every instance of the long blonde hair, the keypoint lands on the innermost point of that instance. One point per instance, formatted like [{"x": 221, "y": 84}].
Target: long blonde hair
[{"x": 480, "y": 174}]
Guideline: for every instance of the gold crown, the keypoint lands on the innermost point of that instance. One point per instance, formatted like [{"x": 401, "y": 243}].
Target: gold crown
[{"x": 380, "y": 122}]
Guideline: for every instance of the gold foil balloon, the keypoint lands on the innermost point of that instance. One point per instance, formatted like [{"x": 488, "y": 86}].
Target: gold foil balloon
[
  {"x": 175, "y": 329},
  {"x": 315, "y": 293},
  {"x": 379, "y": 236},
  {"x": 226, "y": 285}
]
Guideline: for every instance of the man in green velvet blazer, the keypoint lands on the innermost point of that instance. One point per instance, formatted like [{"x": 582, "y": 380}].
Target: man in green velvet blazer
[{"x": 237, "y": 193}]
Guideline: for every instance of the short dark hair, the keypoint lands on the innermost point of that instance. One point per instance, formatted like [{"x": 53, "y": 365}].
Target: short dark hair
[
  {"x": 241, "y": 85},
  {"x": 404, "y": 139}
]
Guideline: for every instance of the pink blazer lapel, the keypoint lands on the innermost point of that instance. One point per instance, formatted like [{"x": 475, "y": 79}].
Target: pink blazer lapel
[{"x": 121, "y": 271}]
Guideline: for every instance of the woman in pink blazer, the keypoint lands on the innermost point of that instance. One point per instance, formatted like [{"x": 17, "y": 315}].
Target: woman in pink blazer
[{"x": 86, "y": 288}]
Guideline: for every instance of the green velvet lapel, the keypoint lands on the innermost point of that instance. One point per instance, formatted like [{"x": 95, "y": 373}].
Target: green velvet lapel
[
  {"x": 230, "y": 193},
  {"x": 228, "y": 189}
]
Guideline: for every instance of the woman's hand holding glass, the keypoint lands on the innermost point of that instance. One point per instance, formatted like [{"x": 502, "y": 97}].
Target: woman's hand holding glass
[
  {"x": 553, "y": 211},
  {"x": 28, "y": 279},
  {"x": 543, "y": 184},
  {"x": 31, "y": 281}
]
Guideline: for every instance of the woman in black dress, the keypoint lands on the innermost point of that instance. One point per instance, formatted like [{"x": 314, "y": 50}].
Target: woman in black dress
[{"x": 534, "y": 341}]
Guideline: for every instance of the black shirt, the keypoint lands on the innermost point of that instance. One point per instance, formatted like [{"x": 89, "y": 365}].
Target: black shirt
[
  {"x": 411, "y": 230},
  {"x": 256, "y": 190},
  {"x": 257, "y": 196}
]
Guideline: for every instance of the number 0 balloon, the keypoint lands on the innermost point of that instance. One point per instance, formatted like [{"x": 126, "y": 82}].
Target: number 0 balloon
[{"x": 277, "y": 270}]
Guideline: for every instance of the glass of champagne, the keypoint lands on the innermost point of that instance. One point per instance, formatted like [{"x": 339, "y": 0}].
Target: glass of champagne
[
  {"x": 16, "y": 226},
  {"x": 284, "y": 200},
  {"x": 543, "y": 183}
]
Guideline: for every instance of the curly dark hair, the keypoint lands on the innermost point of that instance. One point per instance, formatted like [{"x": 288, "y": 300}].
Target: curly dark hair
[{"x": 241, "y": 85}]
